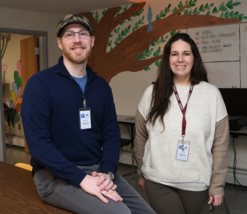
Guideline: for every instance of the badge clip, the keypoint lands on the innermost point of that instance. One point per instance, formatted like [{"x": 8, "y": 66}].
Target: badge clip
[{"x": 183, "y": 139}]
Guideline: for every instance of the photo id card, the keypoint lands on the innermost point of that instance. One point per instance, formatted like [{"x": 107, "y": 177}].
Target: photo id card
[
  {"x": 183, "y": 150},
  {"x": 85, "y": 118}
]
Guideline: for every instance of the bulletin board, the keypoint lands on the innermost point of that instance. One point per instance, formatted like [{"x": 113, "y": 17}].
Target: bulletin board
[{"x": 224, "y": 53}]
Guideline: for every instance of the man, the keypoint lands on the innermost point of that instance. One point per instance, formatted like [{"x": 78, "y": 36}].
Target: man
[{"x": 72, "y": 133}]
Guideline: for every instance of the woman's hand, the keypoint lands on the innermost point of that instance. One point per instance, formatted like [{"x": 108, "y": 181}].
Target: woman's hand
[
  {"x": 142, "y": 184},
  {"x": 218, "y": 199}
]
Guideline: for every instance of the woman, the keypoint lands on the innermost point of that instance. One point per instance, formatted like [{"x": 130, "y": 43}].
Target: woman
[{"x": 182, "y": 134}]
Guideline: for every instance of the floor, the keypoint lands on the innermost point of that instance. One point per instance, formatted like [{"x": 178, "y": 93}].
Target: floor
[{"x": 236, "y": 199}]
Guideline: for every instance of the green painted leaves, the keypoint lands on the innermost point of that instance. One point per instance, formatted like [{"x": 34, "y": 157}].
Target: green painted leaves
[
  {"x": 146, "y": 68},
  {"x": 96, "y": 16},
  {"x": 222, "y": 7},
  {"x": 17, "y": 79},
  {"x": 17, "y": 117},
  {"x": 104, "y": 12},
  {"x": 137, "y": 24},
  {"x": 122, "y": 34},
  {"x": 109, "y": 43},
  {"x": 229, "y": 14},
  {"x": 116, "y": 30},
  {"x": 157, "y": 52},
  {"x": 211, "y": 9},
  {"x": 206, "y": 7},
  {"x": 196, "y": 12},
  {"x": 159, "y": 41},
  {"x": 144, "y": 55},
  {"x": 138, "y": 13},
  {"x": 14, "y": 118},
  {"x": 215, "y": 10},
  {"x": 191, "y": 3},
  {"x": 122, "y": 9},
  {"x": 157, "y": 63},
  {"x": 180, "y": 4},
  {"x": 230, "y": 5},
  {"x": 174, "y": 32},
  {"x": 163, "y": 13},
  {"x": 119, "y": 10}
]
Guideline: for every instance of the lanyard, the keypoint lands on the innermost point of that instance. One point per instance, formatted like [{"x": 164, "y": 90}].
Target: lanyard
[{"x": 183, "y": 110}]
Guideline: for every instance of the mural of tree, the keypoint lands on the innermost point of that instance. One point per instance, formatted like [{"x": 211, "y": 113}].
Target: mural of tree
[{"x": 133, "y": 50}]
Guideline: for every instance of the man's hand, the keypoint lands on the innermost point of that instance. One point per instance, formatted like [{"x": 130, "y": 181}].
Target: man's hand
[
  {"x": 142, "y": 184},
  {"x": 104, "y": 181},
  {"x": 217, "y": 200},
  {"x": 88, "y": 184}
]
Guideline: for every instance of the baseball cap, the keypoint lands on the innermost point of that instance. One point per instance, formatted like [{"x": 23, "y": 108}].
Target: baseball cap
[{"x": 74, "y": 18}]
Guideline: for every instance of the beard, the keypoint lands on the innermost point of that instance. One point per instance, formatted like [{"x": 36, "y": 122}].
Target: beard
[{"x": 77, "y": 58}]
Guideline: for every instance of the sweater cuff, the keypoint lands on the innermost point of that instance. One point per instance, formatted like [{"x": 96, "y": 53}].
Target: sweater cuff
[
  {"x": 217, "y": 183},
  {"x": 77, "y": 177},
  {"x": 216, "y": 191},
  {"x": 108, "y": 166}
]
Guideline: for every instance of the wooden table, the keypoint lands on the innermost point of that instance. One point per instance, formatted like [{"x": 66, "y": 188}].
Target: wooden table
[{"x": 18, "y": 193}]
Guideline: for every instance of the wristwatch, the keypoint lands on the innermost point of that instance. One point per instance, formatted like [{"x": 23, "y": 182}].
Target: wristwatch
[{"x": 110, "y": 174}]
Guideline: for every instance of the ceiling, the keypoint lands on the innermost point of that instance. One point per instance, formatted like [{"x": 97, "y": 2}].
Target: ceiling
[{"x": 63, "y": 6}]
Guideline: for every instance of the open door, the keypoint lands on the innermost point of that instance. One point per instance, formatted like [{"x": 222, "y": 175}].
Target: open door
[{"x": 29, "y": 63}]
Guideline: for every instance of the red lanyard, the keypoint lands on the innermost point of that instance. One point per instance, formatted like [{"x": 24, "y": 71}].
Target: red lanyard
[{"x": 183, "y": 110}]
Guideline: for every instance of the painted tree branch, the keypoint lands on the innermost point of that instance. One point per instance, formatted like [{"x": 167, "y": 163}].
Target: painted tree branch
[
  {"x": 91, "y": 19},
  {"x": 137, "y": 65},
  {"x": 137, "y": 42},
  {"x": 178, "y": 11},
  {"x": 128, "y": 13},
  {"x": 109, "y": 22},
  {"x": 106, "y": 20},
  {"x": 104, "y": 28},
  {"x": 121, "y": 58}
]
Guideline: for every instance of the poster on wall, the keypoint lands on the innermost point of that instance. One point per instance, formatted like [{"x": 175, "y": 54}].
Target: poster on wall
[
  {"x": 243, "y": 38},
  {"x": 219, "y": 43},
  {"x": 224, "y": 74}
]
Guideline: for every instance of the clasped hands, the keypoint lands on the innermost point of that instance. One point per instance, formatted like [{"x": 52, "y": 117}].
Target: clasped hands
[{"x": 100, "y": 185}]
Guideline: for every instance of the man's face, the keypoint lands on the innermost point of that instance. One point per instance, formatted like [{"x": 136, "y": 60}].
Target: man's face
[{"x": 78, "y": 48}]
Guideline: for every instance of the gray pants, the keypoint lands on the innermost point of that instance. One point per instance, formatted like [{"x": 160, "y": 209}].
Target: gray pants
[{"x": 59, "y": 193}]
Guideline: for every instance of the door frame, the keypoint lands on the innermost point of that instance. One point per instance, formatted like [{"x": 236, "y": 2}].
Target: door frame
[{"x": 44, "y": 34}]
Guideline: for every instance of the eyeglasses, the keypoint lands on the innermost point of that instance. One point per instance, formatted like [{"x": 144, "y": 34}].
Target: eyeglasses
[{"x": 83, "y": 34}]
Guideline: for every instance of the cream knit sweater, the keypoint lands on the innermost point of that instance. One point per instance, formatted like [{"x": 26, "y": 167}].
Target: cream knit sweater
[{"x": 205, "y": 110}]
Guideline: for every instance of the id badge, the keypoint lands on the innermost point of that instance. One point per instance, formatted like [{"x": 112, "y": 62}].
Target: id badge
[
  {"x": 183, "y": 150},
  {"x": 85, "y": 118}
]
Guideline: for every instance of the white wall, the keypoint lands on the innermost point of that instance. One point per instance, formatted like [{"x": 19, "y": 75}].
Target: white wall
[{"x": 35, "y": 21}]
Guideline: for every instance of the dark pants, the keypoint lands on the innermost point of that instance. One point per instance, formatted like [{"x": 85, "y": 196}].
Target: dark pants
[
  {"x": 57, "y": 192},
  {"x": 168, "y": 200}
]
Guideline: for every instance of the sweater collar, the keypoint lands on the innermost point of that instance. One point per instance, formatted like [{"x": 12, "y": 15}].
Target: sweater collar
[{"x": 63, "y": 70}]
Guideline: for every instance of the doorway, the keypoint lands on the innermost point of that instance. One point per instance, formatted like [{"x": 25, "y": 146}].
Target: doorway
[{"x": 23, "y": 53}]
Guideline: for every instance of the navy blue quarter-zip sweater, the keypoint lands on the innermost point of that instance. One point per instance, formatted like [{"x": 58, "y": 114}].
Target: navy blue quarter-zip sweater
[{"x": 50, "y": 115}]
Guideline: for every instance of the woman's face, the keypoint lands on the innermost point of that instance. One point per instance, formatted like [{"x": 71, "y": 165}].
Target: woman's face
[{"x": 181, "y": 59}]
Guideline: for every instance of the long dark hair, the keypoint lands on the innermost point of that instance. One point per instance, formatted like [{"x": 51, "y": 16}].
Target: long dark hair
[{"x": 162, "y": 90}]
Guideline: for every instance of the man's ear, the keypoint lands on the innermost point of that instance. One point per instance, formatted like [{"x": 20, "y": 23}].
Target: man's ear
[
  {"x": 92, "y": 40},
  {"x": 59, "y": 43}
]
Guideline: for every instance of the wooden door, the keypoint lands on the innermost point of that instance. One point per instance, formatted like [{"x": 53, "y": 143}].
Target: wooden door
[{"x": 29, "y": 63}]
